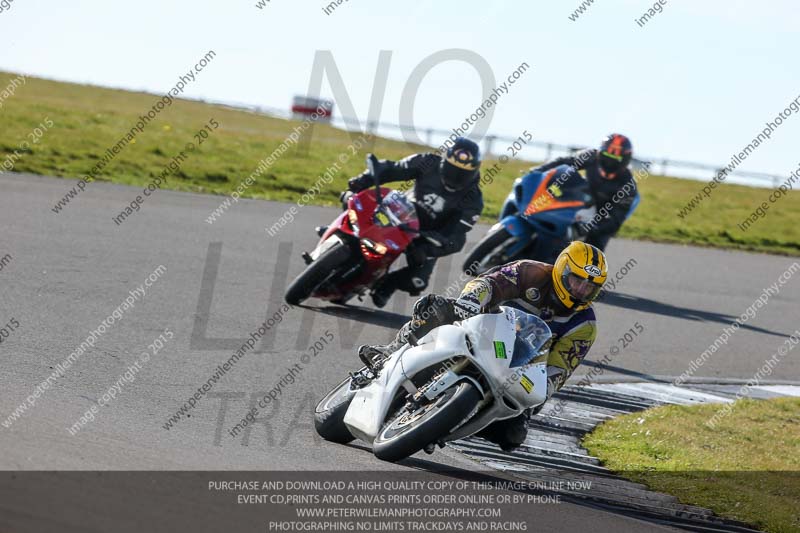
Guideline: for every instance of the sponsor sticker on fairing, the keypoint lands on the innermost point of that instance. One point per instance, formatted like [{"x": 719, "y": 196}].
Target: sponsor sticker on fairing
[
  {"x": 526, "y": 383},
  {"x": 499, "y": 349}
]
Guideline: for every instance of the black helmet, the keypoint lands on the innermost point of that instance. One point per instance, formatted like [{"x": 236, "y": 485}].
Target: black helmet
[
  {"x": 460, "y": 165},
  {"x": 616, "y": 151}
]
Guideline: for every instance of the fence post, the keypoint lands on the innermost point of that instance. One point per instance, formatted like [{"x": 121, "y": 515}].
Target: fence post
[{"x": 488, "y": 142}]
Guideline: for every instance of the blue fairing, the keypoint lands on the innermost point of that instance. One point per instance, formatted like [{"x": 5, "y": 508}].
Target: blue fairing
[
  {"x": 517, "y": 226},
  {"x": 553, "y": 221},
  {"x": 549, "y": 227},
  {"x": 543, "y": 233},
  {"x": 634, "y": 205}
]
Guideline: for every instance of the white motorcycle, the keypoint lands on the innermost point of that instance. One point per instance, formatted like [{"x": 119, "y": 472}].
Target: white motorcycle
[{"x": 451, "y": 384}]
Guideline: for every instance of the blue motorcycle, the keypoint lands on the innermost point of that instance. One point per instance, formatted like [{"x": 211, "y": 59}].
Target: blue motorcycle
[{"x": 536, "y": 221}]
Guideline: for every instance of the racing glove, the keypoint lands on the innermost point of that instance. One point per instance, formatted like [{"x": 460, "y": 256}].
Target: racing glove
[
  {"x": 345, "y": 198},
  {"x": 367, "y": 178},
  {"x": 579, "y": 230},
  {"x": 467, "y": 306},
  {"x": 359, "y": 183}
]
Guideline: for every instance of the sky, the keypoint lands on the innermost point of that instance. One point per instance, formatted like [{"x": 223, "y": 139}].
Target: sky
[{"x": 697, "y": 82}]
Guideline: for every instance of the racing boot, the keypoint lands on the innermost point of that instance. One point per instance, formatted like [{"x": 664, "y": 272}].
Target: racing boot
[
  {"x": 509, "y": 434},
  {"x": 373, "y": 355},
  {"x": 383, "y": 290},
  {"x": 429, "y": 312}
]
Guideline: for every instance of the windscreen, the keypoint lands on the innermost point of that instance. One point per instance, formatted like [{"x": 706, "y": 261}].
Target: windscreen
[
  {"x": 566, "y": 185},
  {"x": 400, "y": 210},
  {"x": 533, "y": 338}
]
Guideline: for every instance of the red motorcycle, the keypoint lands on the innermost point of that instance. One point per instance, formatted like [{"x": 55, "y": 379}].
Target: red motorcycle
[{"x": 359, "y": 246}]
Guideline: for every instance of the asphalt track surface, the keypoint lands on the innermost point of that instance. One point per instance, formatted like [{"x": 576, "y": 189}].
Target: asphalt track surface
[{"x": 71, "y": 270}]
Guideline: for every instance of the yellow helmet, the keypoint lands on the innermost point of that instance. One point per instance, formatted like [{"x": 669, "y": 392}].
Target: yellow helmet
[{"x": 578, "y": 275}]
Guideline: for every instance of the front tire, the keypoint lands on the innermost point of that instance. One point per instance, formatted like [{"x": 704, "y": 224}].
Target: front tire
[
  {"x": 330, "y": 411},
  {"x": 488, "y": 252},
  {"x": 312, "y": 277},
  {"x": 409, "y": 432}
]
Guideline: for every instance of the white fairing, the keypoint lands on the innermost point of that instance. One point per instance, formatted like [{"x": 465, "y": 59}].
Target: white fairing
[
  {"x": 324, "y": 246},
  {"x": 493, "y": 337}
]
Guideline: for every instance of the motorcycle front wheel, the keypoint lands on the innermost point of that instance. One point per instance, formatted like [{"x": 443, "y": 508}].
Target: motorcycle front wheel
[
  {"x": 317, "y": 272},
  {"x": 488, "y": 253},
  {"x": 410, "y": 431},
  {"x": 330, "y": 411}
]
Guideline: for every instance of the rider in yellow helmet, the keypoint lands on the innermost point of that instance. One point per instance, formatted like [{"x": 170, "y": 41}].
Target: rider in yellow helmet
[
  {"x": 578, "y": 275},
  {"x": 560, "y": 294}
]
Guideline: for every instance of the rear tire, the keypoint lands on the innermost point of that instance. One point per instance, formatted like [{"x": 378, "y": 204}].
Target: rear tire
[
  {"x": 330, "y": 411},
  {"x": 408, "y": 433},
  {"x": 310, "y": 279},
  {"x": 483, "y": 256}
]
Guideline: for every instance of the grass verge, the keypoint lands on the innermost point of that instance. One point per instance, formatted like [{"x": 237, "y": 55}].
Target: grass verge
[
  {"x": 746, "y": 468},
  {"x": 88, "y": 120}
]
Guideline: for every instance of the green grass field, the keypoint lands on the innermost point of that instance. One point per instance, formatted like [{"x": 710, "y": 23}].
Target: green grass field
[
  {"x": 746, "y": 467},
  {"x": 89, "y": 120}
]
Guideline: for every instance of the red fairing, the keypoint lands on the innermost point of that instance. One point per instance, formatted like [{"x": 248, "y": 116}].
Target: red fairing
[
  {"x": 370, "y": 228},
  {"x": 379, "y": 228},
  {"x": 338, "y": 224}
]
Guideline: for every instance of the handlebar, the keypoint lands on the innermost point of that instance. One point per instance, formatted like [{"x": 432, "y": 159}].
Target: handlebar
[{"x": 408, "y": 229}]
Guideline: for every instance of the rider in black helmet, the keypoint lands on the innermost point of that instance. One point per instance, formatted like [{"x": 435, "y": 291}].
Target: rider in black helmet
[
  {"x": 612, "y": 185},
  {"x": 460, "y": 167},
  {"x": 614, "y": 155},
  {"x": 449, "y": 202}
]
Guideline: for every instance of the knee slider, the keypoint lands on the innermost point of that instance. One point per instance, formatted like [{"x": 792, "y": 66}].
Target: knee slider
[{"x": 419, "y": 283}]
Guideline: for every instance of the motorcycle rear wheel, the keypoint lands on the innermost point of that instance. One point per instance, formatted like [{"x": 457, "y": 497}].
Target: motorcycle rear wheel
[
  {"x": 409, "y": 432},
  {"x": 312, "y": 277}
]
